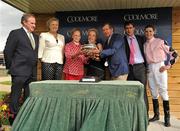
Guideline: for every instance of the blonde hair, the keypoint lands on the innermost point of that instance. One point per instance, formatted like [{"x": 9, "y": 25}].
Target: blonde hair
[
  {"x": 74, "y": 30},
  {"x": 94, "y": 30},
  {"x": 51, "y": 20}
]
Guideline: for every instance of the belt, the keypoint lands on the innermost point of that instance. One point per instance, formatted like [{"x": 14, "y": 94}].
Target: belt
[{"x": 137, "y": 64}]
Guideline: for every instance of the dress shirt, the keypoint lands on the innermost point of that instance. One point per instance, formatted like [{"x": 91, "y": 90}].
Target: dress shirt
[
  {"x": 29, "y": 33},
  {"x": 50, "y": 49},
  {"x": 109, "y": 38},
  {"x": 138, "y": 58},
  {"x": 155, "y": 50},
  {"x": 74, "y": 66}
]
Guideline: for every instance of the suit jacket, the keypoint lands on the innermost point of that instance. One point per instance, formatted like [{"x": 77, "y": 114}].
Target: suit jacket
[
  {"x": 20, "y": 58},
  {"x": 116, "y": 56},
  {"x": 141, "y": 42}
]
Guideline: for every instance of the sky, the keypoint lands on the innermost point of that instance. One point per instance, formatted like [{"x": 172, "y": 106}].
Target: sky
[{"x": 10, "y": 18}]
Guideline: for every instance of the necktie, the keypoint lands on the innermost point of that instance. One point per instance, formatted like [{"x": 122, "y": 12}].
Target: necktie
[
  {"x": 132, "y": 51},
  {"x": 31, "y": 40}
]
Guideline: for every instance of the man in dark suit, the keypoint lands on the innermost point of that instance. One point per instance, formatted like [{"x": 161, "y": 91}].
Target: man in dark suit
[
  {"x": 21, "y": 59},
  {"x": 137, "y": 67},
  {"x": 114, "y": 52}
]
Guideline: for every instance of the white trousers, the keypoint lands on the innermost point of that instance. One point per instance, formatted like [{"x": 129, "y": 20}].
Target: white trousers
[{"x": 158, "y": 81}]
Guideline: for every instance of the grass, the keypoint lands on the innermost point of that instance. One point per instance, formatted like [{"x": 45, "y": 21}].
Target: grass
[{"x": 5, "y": 82}]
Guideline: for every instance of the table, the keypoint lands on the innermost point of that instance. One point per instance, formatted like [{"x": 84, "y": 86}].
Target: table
[{"x": 76, "y": 106}]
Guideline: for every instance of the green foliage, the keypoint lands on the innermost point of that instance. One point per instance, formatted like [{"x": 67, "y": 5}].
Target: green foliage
[
  {"x": 2, "y": 94},
  {"x": 4, "y": 108}
]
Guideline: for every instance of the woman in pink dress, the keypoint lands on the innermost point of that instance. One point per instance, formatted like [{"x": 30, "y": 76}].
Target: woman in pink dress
[{"x": 75, "y": 59}]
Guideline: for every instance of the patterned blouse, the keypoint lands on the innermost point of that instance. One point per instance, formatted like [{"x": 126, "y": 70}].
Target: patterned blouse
[{"x": 74, "y": 66}]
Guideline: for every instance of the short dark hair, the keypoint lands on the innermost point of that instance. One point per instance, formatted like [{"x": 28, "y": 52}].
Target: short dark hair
[
  {"x": 109, "y": 24},
  {"x": 129, "y": 23},
  {"x": 150, "y": 26},
  {"x": 26, "y": 16}
]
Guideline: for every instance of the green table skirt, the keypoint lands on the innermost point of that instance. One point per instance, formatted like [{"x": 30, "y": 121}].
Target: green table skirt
[{"x": 74, "y": 106}]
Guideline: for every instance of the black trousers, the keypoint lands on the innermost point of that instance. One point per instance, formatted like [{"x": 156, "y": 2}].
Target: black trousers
[
  {"x": 137, "y": 72},
  {"x": 19, "y": 83},
  {"x": 51, "y": 71}
]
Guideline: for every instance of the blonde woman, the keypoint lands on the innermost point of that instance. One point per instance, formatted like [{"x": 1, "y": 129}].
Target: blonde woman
[
  {"x": 95, "y": 66},
  {"x": 51, "y": 51}
]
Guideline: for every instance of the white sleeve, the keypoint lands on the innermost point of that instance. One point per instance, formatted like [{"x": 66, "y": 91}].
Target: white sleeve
[{"x": 41, "y": 45}]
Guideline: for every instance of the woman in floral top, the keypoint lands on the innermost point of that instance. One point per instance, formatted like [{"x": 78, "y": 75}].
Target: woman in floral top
[{"x": 75, "y": 59}]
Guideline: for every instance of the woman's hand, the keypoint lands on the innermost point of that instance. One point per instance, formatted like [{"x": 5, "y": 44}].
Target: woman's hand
[{"x": 80, "y": 52}]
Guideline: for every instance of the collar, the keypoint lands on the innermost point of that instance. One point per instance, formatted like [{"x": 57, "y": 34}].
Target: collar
[
  {"x": 27, "y": 32},
  {"x": 25, "y": 29},
  {"x": 131, "y": 37},
  {"x": 150, "y": 40},
  {"x": 73, "y": 43}
]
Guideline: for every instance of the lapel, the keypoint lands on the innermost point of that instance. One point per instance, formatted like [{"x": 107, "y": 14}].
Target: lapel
[
  {"x": 27, "y": 38},
  {"x": 127, "y": 47},
  {"x": 140, "y": 43},
  {"x": 111, "y": 40},
  {"x": 106, "y": 44},
  {"x": 126, "y": 43}
]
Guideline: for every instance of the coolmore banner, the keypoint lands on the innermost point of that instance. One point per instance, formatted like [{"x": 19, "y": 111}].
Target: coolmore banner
[{"x": 160, "y": 17}]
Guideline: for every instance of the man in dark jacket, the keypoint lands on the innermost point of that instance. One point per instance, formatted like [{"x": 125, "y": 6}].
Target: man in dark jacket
[
  {"x": 21, "y": 59},
  {"x": 114, "y": 52},
  {"x": 136, "y": 57}
]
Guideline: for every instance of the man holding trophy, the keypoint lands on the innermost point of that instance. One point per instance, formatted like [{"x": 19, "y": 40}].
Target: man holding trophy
[{"x": 114, "y": 52}]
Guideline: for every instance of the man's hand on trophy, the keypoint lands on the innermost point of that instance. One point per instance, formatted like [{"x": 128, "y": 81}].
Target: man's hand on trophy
[
  {"x": 92, "y": 53},
  {"x": 96, "y": 51}
]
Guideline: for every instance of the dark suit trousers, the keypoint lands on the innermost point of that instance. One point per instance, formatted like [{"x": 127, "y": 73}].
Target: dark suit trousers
[
  {"x": 137, "y": 72},
  {"x": 18, "y": 84}
]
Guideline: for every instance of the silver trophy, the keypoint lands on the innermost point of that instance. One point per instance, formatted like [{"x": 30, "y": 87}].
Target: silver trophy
[
  {"x": 90, "y": 50},
  {"x": 89, "y": 46}
]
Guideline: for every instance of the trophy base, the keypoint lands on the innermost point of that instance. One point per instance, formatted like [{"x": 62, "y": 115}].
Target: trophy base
[{"x": 90, "y": 79}]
